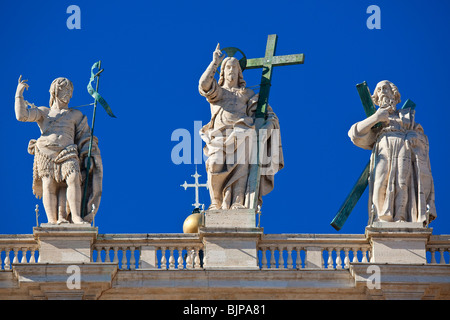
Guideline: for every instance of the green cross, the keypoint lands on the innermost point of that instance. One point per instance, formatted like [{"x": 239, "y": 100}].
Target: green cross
[
  {"x": 267, "y": 63},
  {"x": 363, "y": 180}
]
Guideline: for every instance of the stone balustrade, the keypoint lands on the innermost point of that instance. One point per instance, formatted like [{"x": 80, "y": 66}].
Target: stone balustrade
[
  {"x": 300, "y": 251},
  {"x": 150, "y": 251},
  {"x": 438, "y": 249},
  {"x": 17, "y": 249},
  {"x": 185, "y": 251}
]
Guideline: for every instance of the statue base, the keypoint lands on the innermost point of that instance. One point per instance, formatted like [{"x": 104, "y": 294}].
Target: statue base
[
  {"x": 230, "y": 240},
  {"x": 68, "y": 243},
  {"x": 239, "y": 218},
  {"x": 398, "y": 242}
]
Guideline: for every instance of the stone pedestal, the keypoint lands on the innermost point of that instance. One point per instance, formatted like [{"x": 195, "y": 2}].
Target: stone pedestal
[
  {"x": 67, "y": 243},
  {"x": 230, "y": 240},
  {"x": 398, "y": 242}
]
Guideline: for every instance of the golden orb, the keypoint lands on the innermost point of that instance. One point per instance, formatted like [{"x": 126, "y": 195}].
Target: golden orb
[{"x": 192, "y": 223}]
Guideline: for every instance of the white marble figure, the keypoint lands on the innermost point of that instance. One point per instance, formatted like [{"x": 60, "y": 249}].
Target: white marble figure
[
  {"x": 233, "y": 109},
  {"x": 60, "y": 155},
  {"x": 401, "y": 186}
]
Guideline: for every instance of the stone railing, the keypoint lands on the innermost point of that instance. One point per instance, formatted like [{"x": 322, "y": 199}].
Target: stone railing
[
  {"x": 149, "y": 251},
  {"x": 438, "y": 249},
  {"x": 17, "y": 248},
  {"x": 186, "y": 251},
  {"x": 299, "y": 251}
]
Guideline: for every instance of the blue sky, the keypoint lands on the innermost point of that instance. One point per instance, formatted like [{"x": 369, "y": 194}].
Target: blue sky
[{"x": 154, "y": 53}]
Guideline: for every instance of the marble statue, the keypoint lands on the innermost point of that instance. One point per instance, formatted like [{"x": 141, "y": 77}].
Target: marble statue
[
  {"x": 401, "y": 186},
  {"x": 232, "y": 130},
  {"x": 60, "y": 155}
]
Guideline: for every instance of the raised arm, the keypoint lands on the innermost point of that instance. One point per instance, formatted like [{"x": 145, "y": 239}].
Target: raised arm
[
  {"x": 20, "y": 105},
  {"x": 381, "y": 115},
  {"x": 207, "y": 77},
  {"x": 23, "y": 113}
]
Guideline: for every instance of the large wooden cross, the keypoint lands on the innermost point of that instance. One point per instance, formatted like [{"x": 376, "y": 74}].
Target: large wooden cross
[
  {"x": 267, "y": 63},
  {"x": 363, "y": 180}
]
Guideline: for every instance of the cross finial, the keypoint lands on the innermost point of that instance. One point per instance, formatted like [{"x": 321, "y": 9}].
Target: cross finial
[{"x": 196, "y": 185}]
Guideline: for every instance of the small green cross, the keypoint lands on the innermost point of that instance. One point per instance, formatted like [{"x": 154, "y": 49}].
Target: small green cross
[{"x": 267, "y": 63}]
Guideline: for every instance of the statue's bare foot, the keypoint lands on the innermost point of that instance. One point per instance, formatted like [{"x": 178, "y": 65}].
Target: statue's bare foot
[
  {"x": 62, "y": 221},
  {"x": 213, "y": 206},
  {"x": 237, "y": 205},
  {"x": 81, "y": 222},
  {"x": 77, "y": 220}
]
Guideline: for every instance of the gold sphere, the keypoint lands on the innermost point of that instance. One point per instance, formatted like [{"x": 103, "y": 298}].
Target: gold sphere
[{"x": 192, "y": 223}]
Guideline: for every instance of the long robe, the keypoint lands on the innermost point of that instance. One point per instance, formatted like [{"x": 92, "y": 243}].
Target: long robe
[
  {"x": 232, "y": 118},
  {"x": 401, "y": 186}
]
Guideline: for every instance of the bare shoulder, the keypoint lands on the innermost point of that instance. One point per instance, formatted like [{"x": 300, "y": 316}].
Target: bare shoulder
[
  {"x": 44, "y": 110},
  {"x": 76, "y": 114}
]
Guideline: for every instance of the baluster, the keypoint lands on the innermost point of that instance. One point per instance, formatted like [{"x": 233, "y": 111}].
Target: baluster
[
  {"x": 290, "y": 262},
  {"x": 441, "y": 252},
  {"x": 16, "y": 254},
  {"x": 280, "y": 258},
  {"x": 346, "y": 259},
  {"x": 298, "y": 262},
  {"x": 116, "y": 255},
  {"x": 124, "y": 258},
  {"x": 355, "y": 255},
  {"x": 433, "y": 257},
  {"x": 99, "y": 254},
  {"x": 163, "y": 262},
  {"x": 32, "y": 258},
  {"x": 171, "y": 259},
  {"x": 24, "y": 255},
  {"x": 264, "y": 258},
  {"x": 107, "y": 258},
  {"x": 364, "y": 257},
  {"x": 132, "y": 258},
  {"x": 272, "y": 258},
  {"x": 197, "y": 262},
  {"x": 7, "y": 261},
  {"x": 330, "y": 258},
  {"x": 180, "y": 260},
  {"x": 338, "y": 259},
  {"x": 189, "y": 261}
]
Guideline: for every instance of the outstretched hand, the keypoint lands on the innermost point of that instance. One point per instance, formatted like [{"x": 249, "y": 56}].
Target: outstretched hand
[{"x": 21, "y": 86}]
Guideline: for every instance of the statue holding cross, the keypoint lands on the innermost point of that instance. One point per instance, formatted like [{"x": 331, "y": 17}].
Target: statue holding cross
[
  {"x": 242, "y": 139},
  {"x": 401, "y": 186}
]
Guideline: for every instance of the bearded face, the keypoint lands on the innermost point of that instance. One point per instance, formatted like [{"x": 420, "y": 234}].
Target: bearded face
[
  {"x": 385, "y": 96},
  {"x": 232, "y": 72}
]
